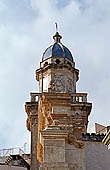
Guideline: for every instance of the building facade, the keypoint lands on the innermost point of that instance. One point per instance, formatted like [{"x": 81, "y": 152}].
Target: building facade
[{"x": 59, "y": 117}]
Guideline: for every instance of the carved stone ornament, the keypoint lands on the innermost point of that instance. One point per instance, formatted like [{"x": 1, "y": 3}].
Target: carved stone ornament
[
  {"x": 44, "y": 120},
  {"x": 31, "y": 110},
  {"x": 73, "y": 141},
  {"x": 69, "y": 84},
  {"x": 72, "y": 138},
  {"x": 28, "y": 123},
  {"x": 52, "y": 85},
  {"x": 59, "y": 83}
]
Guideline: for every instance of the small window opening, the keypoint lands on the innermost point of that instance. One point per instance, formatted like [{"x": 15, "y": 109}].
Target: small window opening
[
  {"x": 69, "y": 63},
  {"x": 46, "y": 63},
  {"x": 57, "y": 61}
]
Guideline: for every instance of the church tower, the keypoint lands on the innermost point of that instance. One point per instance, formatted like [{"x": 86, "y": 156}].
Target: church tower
[
  {"x": 57, "y": 71},
  {"x": 60, "y": 115}
]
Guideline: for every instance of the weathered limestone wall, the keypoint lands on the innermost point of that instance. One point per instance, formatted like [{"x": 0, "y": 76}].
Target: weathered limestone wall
[
  {"x": 54, "y": 150},
  {"x": 94, "y": 156},
  {"x": 97, "y": 156},
  {"x": 75, "y": 158}
]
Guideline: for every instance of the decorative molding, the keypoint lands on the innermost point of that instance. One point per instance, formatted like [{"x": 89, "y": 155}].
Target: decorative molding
[{"x": 32, "y": 113}]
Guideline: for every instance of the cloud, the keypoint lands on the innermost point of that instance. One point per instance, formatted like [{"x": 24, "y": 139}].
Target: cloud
[{"x": 85, "y": 28}]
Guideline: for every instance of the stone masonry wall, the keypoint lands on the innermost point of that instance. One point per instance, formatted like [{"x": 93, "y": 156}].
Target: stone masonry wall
[
  {"x": 94, "y": 156},
  {"x": 75, "y": 158},
  {"x": 97, "y": 156}
]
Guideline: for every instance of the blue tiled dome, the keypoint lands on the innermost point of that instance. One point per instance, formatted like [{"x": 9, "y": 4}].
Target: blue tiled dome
[{"x": 57, "y": 50}]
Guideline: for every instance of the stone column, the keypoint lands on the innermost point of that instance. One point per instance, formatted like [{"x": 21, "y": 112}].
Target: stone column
[
  {"x": 32, "y": 125},
  {"x": 34, "y": 135}
]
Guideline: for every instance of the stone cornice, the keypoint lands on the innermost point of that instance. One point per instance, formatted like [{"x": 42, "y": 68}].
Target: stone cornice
[{"x": 56, "y": 66}]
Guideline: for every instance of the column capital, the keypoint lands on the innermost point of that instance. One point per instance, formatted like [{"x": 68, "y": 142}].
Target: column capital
[{"x": 31, "y": 109}]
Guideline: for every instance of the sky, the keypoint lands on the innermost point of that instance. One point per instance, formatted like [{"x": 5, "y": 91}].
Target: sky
[{"x": 26, "y": 30}]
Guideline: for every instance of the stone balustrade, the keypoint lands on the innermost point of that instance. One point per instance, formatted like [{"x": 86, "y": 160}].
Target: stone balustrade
[
  {"x": 79, "y": 97},
  {"x": 34, "y": 96},
  {"x": 75, "y": 97}
]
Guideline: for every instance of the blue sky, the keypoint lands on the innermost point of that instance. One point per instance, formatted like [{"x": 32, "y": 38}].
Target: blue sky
[{"x": 26, "y": 30}]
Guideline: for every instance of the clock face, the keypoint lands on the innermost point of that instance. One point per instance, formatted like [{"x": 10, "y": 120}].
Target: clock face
[{"x": 59, "y": 83}]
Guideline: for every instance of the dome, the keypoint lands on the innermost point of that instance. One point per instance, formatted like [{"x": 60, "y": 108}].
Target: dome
[{"x": 57, "y": 49}]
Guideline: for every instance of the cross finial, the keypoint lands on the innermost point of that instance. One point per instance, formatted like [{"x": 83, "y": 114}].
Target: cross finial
[
  {"x": 57, "y": 37},
  {"x": 56, "y": 26}
]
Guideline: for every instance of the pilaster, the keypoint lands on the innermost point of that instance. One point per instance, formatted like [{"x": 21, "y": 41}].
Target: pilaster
[
  {"x": 32, "y": 125},
  {"x": 53, "y": 140}
]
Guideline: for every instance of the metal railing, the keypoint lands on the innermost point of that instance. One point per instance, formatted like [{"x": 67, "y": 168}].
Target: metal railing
[
  {"x": 11, "y": 151},
  {"x": 4, "y": 153}
]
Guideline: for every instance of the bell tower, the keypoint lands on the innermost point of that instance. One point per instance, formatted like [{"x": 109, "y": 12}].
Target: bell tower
[
  {"x": 57, "y": 71},
  {"x": 61, "y": 113}
]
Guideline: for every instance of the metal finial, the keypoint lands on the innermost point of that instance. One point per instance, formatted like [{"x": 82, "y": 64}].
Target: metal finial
[
  {"x": 56, "y": 26},
  {"x": 57, "y": 37}
]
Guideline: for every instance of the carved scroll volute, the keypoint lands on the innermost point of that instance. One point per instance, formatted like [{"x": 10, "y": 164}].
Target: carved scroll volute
[
  {"x": 47, "y": 110},
  {"x": 73, "y": 141},
  {"x": 31, "y": 110},
  {"x": 41, "y": 126},
  {"x": 44, "y": 119},
  {"x": 28, "y": 111}
]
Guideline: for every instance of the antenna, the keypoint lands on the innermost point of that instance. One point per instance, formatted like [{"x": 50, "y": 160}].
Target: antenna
[{"x": 56, "y": 26}]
